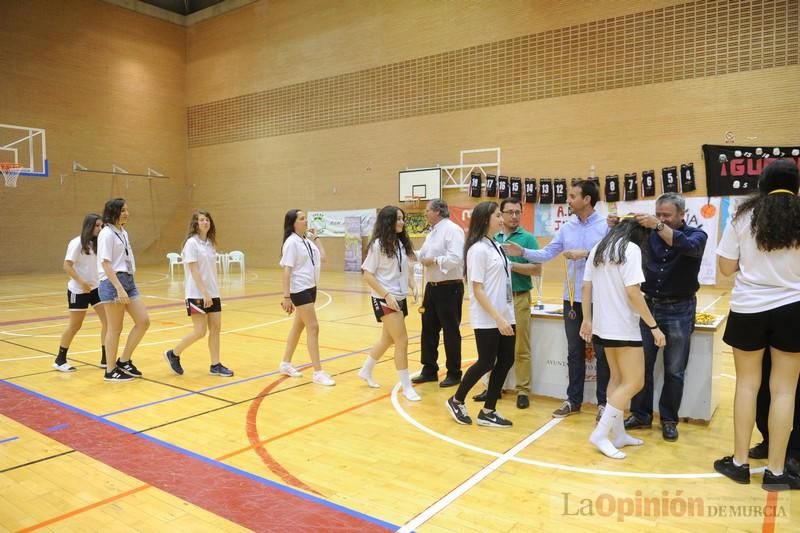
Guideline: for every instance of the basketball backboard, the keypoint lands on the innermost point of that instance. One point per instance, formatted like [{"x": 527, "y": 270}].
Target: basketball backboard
[
  {"x": 421, "y": 184},
  {"x": 26, "y": 146}
]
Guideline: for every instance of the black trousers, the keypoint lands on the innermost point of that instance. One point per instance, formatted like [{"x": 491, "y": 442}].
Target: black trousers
[
  {"x": 442, "y": 314},
  {"x": 762, "y": 409},
  {"x": 495, "y": 353}
]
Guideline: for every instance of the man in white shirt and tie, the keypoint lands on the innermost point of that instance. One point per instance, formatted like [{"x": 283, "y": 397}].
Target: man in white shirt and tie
[{"x": 442, "y": 255}]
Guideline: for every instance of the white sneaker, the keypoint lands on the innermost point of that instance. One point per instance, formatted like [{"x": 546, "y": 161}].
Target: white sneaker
[
  {"x": 288, "y": 370},
  {"x": 411, "y": 395},
  {"x": 322, "y": 378},
  {"x": 66, "y": 367}
]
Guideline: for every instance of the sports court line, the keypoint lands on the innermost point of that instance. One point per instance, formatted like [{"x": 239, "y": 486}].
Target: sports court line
[
  {"x": 242, "y": 497},
  {"x": 9, "y": 439},
  {"x": 159, "y": 306},
  {"x": 476, "y": 478}
]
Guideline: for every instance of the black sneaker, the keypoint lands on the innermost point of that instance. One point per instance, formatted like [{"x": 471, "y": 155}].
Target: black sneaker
[
  {"x": 458, "y": 411},
  {"x": 740, "y": 474},
  {"x": 117, "y": 375},
  {"x": 786, "y": 481},
  {"x": 220, "y": 370},
  {"x": 759, "y": 451},
  {"x": 128, "y": 368},
  {"x": 174, "y": 362},
  {"x": 493, "y": 419}
]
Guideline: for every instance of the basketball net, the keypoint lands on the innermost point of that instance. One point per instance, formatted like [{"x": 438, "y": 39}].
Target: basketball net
[{"x": 10, "y": 172}]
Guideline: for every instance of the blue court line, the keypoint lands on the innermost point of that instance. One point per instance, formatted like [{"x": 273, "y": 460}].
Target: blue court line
[
  {"x": 57, "y": 427},
  {"x": 208, "y": 460},
  {"x": 9, "y": 439}
]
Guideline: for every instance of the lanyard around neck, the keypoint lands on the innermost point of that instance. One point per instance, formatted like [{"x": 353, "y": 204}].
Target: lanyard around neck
[
  {"x": 123, "y": 240},
  {"x": 308, "y": 249},
  {"x": 502, "y": 254}
]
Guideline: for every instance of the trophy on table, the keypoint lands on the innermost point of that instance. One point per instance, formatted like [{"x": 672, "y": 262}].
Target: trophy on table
[{"x": 537, "y": 285}]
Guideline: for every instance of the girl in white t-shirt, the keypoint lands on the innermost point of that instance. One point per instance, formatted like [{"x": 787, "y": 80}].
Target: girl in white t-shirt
[
  {"x": 491, "y": 311},
  {"x": 761, "y": 246},
  {"x": 117, "y": 289},
  {"x": 611, "y": 280},
  {"x": 203, "y": 304},
  {"x": 81, "y": 265},
  {"x": 301, "y": 256},
  {"x": 388, "y": 272}
]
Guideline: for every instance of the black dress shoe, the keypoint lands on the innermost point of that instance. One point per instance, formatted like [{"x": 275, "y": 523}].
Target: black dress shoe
[
  {"x": 450, "y": 381},
  {"x": 786, "y": 481},
  {"x": 759, "y": 451},
  {"x": 669, "y": 430},
  {"x": 424, "y": 378},
  {"x": 481, "y": 397},
  {"x": 522, "y": 401},
  {"x": 633, "y": 422}
]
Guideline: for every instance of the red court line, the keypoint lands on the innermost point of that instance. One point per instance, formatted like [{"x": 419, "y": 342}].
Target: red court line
[
  {"x": 257, "y": 444},
  {"x": 236, "y": 496},
  {"x": 769, "y": 518}
]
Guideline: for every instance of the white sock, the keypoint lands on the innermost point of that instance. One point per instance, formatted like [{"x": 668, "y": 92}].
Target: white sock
[
  {"x": 408, "y": 388},
  {"x": 736, "y": 463},
  {"x": 619, "y": 437},
  {"x": 599, "y": 436},
  {"x": 366, "y": 372}
]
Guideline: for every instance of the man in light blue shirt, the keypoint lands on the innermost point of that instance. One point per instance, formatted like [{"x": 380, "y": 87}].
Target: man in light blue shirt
[{"x": 574, "y": 240}]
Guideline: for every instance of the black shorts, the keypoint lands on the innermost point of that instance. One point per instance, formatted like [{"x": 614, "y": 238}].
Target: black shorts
[
  {"x": 380, "y": 308},
  {"x": 308, "y": 296},
  {"x": 194, "y": 306},
  {"x": 776, "y": 328},
  {"x": 81, "y": 301},
  {"x": 614, "y": 343}
]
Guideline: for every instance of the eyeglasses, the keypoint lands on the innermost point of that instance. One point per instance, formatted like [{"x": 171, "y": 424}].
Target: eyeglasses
[{"x": 512, "y": 213}]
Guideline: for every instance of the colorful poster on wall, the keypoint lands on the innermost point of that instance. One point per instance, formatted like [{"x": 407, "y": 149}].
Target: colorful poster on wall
[
  {"x": 332, "y": 223},
  {"x": 416, "y": 224}
]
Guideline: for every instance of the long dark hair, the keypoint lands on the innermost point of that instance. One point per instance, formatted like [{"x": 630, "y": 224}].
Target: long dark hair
[
  {"x": 113, "y": 210},
  {"x": 288, "y": 222},
  {"x": 88, "y": 238},
  {"x": 478, "y": 226},
  {"x": 776, "y": 214},
  {"x": 611, "y": 248},
  {"x": 194, "y": 230},
  {"x": 385, "y": 232}
]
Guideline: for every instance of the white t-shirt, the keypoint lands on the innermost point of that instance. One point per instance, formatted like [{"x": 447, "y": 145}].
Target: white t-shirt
[
  {"x": 765, "y": 280},
  {"x": 304, "y": 258},
  {"x": 487, "y": 264},
  {"x": 85, "y": 265},
  {"x": 113, "y": 245},
  {"x": 205, "y": 256},
  {"x": 613, "y": 317},
  {"x": 391, "y": 272}
]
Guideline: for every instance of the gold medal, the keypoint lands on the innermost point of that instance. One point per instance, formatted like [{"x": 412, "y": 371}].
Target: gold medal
[{"x": 570, "y": 281}]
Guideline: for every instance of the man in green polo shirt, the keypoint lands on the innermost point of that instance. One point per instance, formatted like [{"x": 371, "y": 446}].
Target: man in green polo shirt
[{"x": 521, "y": 285}]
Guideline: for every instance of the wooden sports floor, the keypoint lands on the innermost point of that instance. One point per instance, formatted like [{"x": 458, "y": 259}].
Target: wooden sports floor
[{"x": 264, "y": 452}]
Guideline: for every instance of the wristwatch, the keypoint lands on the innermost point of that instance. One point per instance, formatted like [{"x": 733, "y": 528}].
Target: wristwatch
[{"x": 659, "y": 226}]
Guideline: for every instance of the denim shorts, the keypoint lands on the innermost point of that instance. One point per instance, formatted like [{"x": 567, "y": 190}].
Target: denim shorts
[{"x": 109, "y": 294}]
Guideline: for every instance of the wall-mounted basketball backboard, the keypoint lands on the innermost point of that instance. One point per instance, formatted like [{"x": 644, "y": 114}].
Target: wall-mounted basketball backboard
[
  {"x": 25, "y": 146},
  {"x": 420, "y": 184}
]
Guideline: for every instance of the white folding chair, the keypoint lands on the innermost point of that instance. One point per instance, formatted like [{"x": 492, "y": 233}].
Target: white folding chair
[
  {"x": 235, "y": 257},
  {"x": 174, "y": 259}
]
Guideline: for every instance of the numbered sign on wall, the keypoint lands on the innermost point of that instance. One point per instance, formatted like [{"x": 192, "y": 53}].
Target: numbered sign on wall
[
  {"x": 648, "y": 183},
  {"x": 560, "y": 190},
  {"x": 612, "y": 188},
  {"x": 631, "y": 187}
]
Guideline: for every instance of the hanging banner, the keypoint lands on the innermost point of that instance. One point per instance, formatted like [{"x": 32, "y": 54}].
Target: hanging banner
[
  {"x": 352, "y": 244},
  {"x": 332, "y": 223},
  {"x": 734, "y": 170}
]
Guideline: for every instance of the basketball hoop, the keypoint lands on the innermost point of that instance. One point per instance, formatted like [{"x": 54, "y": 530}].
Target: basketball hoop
[
  {"x": 412, "y": 201},
  {"x": 10, "y": 172}
]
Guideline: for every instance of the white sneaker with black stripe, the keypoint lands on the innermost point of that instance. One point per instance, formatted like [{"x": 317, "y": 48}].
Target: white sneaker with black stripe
[{"x": 492, "y": 419}]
